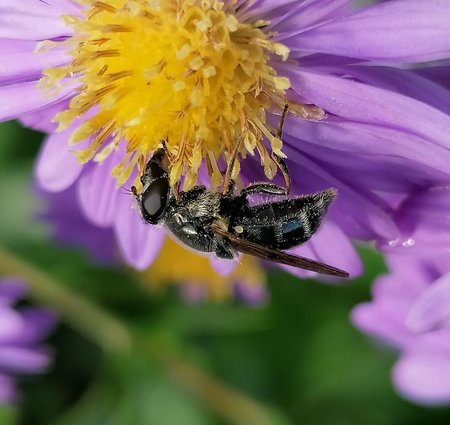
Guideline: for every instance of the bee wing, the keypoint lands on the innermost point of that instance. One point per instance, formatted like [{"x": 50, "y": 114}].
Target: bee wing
[{"x": 276, "y": 256}]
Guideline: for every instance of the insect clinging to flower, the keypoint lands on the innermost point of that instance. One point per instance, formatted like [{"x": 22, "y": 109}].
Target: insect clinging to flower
[{"x": 225, "y": 223}]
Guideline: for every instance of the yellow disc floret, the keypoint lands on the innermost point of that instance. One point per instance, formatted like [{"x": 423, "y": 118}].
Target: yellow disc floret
[{"x": 184, "y": 71}]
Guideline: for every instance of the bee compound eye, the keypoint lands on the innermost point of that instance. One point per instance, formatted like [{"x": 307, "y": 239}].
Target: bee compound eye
[{"x": 154, "y": 199}]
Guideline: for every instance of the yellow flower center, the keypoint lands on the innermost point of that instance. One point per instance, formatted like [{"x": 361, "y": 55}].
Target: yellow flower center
[
  {"x": 187, "y": 72},
  {"x": 176, "y": 264}
]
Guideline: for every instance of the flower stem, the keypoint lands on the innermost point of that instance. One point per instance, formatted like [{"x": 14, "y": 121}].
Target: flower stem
[{"x": 114, "y": 336}]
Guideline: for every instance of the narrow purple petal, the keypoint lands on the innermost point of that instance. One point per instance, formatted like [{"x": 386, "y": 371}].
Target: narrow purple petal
[
  {"x": 20, "y": 63},
  {"x": 424, "y": 377},
  {"x": 28, "y": 27},
  {"x": 22, "y": 360},
  {"x": 56, "y": 167},
  {"x": 25, "y": 97},
  {"x": 11, "y": 324},
  {"x": 139, "y": 242},
  {"x": 41, "y": 120},
  {"x": 395, "y": 31},
  {"x": 98, "y": 192},
  {"x": 381, "y": 321},
  {"x": 432, "y": 308},
  {"x": 402, "y": 81},
  {"x": 37, "y": 325},
  {"x": 360, "y": 102},
  {"x": 11, "y": 290},
  {"x": 424, "y": 220}
]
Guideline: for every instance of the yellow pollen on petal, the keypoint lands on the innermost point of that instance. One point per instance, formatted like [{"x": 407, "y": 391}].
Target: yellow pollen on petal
[
  {"x": 178, "y": 265},
  {"x": 187, "y": 72}
]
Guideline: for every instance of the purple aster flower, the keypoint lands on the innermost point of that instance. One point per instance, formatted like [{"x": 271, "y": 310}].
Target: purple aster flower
[
  {"x": 122, "y": 75},
  {"x": 21, "y": 333},
  {"x": 411, "y": 311}
]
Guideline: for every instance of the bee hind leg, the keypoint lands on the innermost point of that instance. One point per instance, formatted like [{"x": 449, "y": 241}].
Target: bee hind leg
[{"x": 268, "y": 188}]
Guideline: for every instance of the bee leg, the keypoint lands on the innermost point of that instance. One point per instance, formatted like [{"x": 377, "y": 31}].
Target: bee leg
[
  {"x": 268, "y": 188},
  {"x": 281, "y": 123},
  {"x": 277, "y": 158},
  {"x": 228, "y": 181},
  {"x": 176, "y": 191},
  {"x": 284, "y": 170}
]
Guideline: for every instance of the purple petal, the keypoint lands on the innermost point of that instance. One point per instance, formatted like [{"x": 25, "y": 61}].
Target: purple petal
[
  {"x": 382, "y": 322},
  {"x": 396, "y": 31},
  {"x": 139, "y": 242},
  {"x": 251, "y": 294},
  {"x": 41, "y": 120},
  {"x": 70, "y": 227},
  {"x": 98, "y": 192},
  {"x": 432, "y": 308},
  {"x": 424, "y": 222},
  {"x": 11, "y": 324},
  {"x": 25, "y": 97},
  {"x": 424, "y": 377},
  {"x": 359, "y": 102},
  {"x": 402, "y": 81},
  {"x": 30, "y": 21},
  {"x": 37, "y": 324},
  {"x": 22, "y": 360},
  {"x": 39, "y": 7},
  {"x": 21, "y": 64},
  {"x": 11, "y": 289},
  {"x": 56, "y": 167}
]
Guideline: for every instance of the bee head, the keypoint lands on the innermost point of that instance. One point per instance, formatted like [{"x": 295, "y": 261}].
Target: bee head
[{"x": 156, "y": 189}]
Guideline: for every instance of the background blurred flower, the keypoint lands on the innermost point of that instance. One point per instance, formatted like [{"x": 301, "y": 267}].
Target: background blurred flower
[
  {"x": 411, "y": 311},
  {"x": 21, "y": 332},
  {"x": 384, "y": 135}
]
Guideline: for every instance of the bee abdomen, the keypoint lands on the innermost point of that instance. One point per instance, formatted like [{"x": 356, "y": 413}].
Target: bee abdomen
[{"x": 285, "y": 224}]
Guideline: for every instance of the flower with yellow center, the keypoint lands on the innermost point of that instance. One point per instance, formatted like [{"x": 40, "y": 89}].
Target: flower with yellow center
[
  {"x": 176, "y": 264},
  {"x": 187, "y": 72}
]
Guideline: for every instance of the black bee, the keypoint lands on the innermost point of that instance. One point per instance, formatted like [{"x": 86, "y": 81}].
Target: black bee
[{"x": 225, "y": 223}]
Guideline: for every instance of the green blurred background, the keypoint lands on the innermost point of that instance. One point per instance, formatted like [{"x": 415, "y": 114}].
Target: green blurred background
[{"x": 296, "y": 360}]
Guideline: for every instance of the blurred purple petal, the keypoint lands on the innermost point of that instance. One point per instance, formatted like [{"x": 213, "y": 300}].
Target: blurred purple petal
[
  {"x": 250, "y": 294},
  {"x": 15, "y": 359},
  {"x": 424, "y": 377},
  {"x": 11, "y": 290},
  {"x": 432, "y": 308}
]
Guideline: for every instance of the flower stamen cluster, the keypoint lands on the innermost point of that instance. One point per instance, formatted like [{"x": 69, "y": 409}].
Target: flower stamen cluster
[{"x": 187, "y": 72}]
